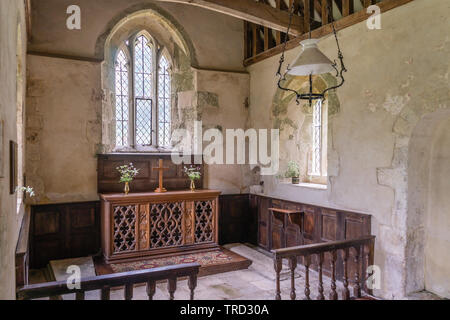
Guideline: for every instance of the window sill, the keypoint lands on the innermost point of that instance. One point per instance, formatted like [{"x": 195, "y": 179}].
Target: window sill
[
  {"x": 307, "y": 185},
  {"x": 151, "y": 150}
]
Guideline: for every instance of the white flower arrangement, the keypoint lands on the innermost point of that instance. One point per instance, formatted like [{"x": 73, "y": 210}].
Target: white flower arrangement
[{"x": 27, "y": 190}]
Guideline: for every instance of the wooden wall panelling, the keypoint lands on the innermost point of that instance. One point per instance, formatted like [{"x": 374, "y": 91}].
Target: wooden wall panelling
[
  {"x": 61, "y": 231},
  {"x": 318, "y": 225},
  {"x": 278, "y": 223},
  {"x": 22, "y": 257},
  {"x": 264, "y": 223},
  {"x": 147, "y": 180},
  {"x": 293, "y": 232},
  {"x": 252, "y": 234},
  {"x": 82, "y": 229},
  {"x": 238, "y": 221}
]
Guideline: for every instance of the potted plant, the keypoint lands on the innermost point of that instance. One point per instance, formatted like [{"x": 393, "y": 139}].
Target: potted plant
[
  {"x": 194, "y": 174},
  {"x": 127, "y": 173},
  {"x": 293, "y": 171}
]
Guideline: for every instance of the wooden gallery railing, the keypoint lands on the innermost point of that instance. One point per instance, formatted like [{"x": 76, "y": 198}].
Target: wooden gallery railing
[
  {"x": 358, "y": 249},
  {"x": 126, "y": 279},
  {"x": 261, "y": 42}
]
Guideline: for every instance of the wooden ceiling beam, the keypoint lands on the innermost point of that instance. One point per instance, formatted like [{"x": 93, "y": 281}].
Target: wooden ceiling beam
[
  {"x": 343, "y": 23},
  {"x": 28, "y": 18},
  {"x": 251, "y": 11}
]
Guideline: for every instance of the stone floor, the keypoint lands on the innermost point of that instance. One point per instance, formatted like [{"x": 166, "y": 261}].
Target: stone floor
[
  {"x": 255, "y": 283},
  {"x": 424, "y": 295}
]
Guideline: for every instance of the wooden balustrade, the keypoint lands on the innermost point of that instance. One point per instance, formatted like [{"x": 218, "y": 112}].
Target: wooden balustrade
[
  {"x": 361, "y": 248},
  {"x": 262, "y": 43},
  {"x": 126, "y": 279}
]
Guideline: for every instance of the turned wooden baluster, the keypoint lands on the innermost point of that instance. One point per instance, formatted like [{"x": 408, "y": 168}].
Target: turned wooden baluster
[
  {"x": 307, "y": 261},
  {"x": 345, "y": 291},
  {"x": 129, "y": 291},
  {"x": 79, "y": 295},
  {"x": 105, "y": 293},
  {"x": 278, "y": 266},
  {"x": 151, "y": 289},
  {"x": 192, "y": 283},
  {"x": 333, "y": 293},
  {"x": 172, "y": 287},
  {"x": 369, "y": 261},
  {"x": 292, "y": 266},
  {"x": 357, "y": 287},
  {"x": 320, "y": 296}
]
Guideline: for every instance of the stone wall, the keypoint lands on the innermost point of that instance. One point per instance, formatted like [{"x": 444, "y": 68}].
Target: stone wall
[
  {"x": 397, "y": 75},
  {"x": 12, "y": 33}
]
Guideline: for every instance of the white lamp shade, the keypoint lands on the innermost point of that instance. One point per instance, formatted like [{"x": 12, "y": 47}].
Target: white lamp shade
[{"x": 310, "y": 61}]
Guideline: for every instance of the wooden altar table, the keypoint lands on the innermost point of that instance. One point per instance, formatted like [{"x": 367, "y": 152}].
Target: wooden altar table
[{"x": 141, "y": 225}]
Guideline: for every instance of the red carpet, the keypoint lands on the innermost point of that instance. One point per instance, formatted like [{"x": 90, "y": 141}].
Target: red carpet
[{"x": 212, "y": 262}]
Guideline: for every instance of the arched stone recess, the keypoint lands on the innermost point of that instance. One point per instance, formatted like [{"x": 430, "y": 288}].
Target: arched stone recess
[
  {"x": 294, "y": 122},
  {"x": 170, "y": 35},
  {"x": 414, "y": 127}
]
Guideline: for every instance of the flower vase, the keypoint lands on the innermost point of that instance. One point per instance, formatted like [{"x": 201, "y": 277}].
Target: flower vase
[
  {"x": 192, "y": 185},
  {"x": 127, "y": 188}
]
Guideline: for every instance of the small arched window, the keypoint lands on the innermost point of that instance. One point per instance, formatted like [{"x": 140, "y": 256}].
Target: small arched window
[
  {"x": 318, "y": 170},
  {"x": 143, "y": 94}
]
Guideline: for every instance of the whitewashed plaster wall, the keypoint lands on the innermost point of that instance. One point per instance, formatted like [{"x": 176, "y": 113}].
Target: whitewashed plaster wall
[{"x": 437, "y": 222}]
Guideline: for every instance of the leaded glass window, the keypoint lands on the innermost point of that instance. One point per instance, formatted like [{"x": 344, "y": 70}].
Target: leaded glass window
[
  {"x": 164, "y": 92},
  {"x": 317, "y": 139},
  {"x": 122, "y": 109},
  {"x": 144, "y": 119},
  {"x": 143, "y": 83}
]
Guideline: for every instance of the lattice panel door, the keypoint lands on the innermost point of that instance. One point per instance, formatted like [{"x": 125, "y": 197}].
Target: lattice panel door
[
  {"x": 124, "y": 228},
  {"x": 204, "y": 221},
  {"x": 166, "y": 224}
]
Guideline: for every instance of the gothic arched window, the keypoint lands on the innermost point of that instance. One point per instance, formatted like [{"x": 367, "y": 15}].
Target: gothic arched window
[{"x": 143, "y": 94}]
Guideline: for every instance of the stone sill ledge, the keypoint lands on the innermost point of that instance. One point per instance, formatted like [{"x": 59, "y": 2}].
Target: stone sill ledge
[{"x": 306, "y": 185}]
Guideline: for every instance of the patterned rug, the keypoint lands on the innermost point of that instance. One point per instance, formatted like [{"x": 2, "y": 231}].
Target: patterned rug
[{"x": 212, "y": 262}]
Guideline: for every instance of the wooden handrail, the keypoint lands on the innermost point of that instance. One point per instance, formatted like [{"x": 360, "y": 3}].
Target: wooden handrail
[
  {"x": 127, "y": 279},
  {"x": 360, "y": 257},
  {"x": 321, "y": 247}
]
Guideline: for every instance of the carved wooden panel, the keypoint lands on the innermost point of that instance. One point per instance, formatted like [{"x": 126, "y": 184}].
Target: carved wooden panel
[
  {"x": 166, "y": 224},
  {"x": 124, "y": 228},
  {"x": 189, "y": 222},
  {"x": 204, "y": 221},
  {"x": 144, "y": 227},
  {"x": 141, "y": 225}
]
